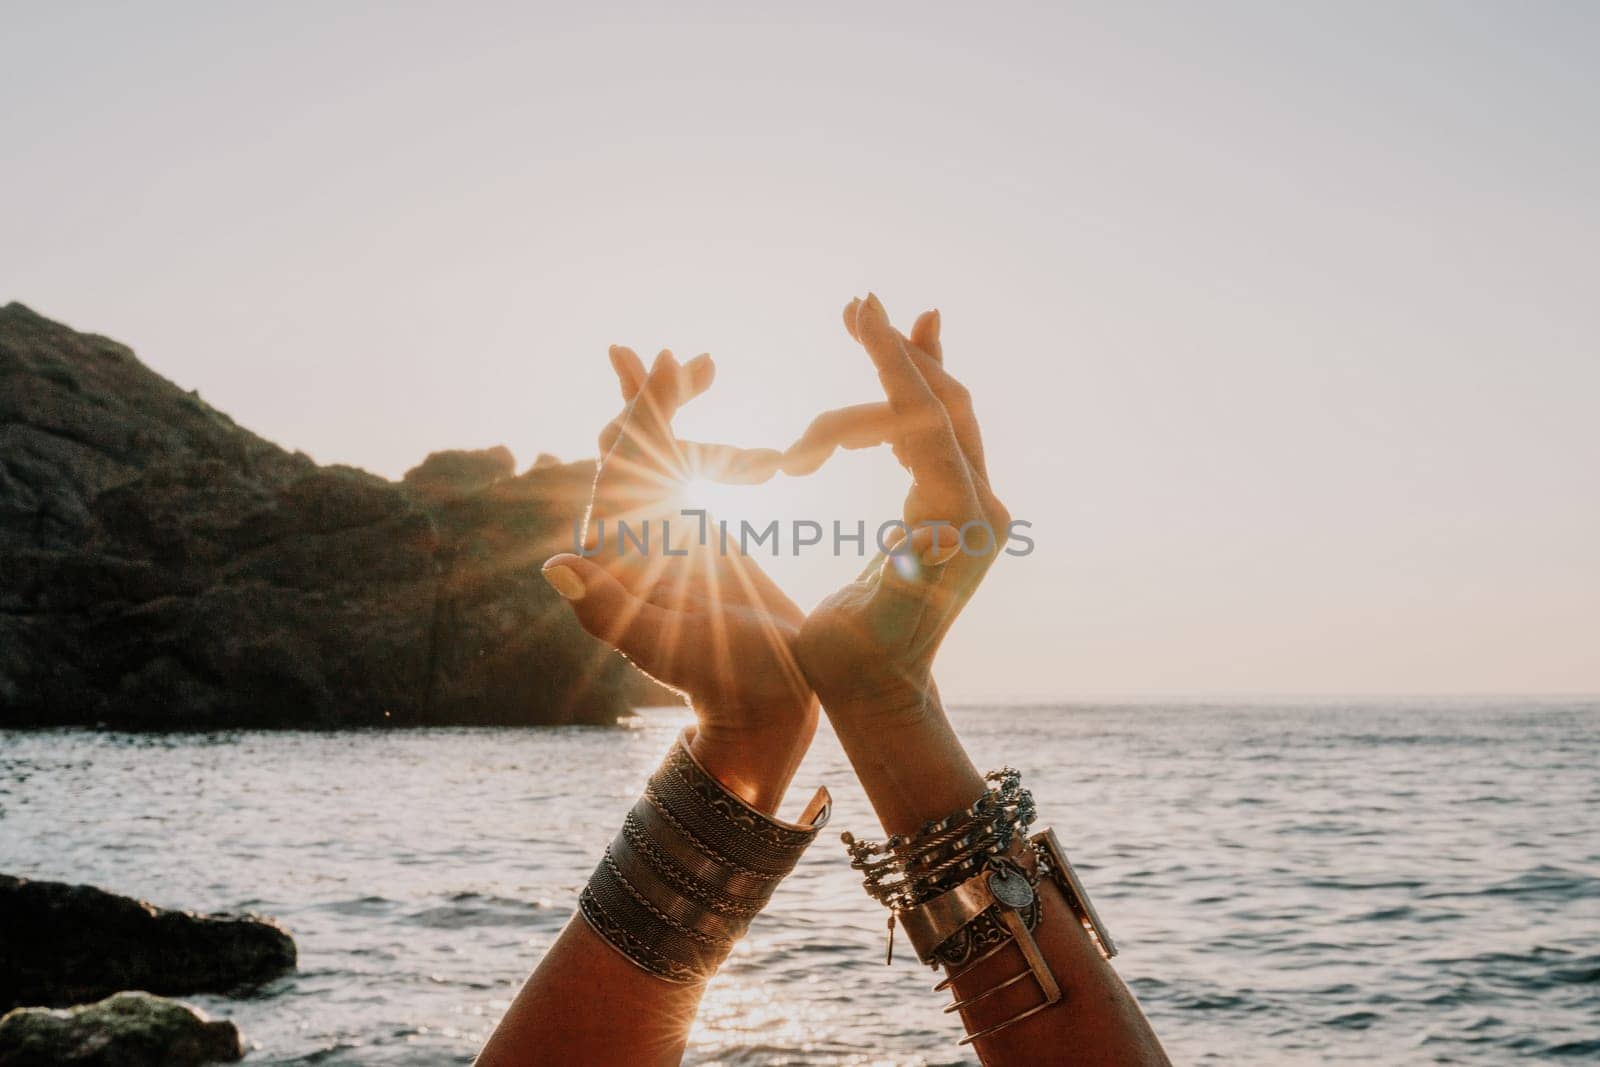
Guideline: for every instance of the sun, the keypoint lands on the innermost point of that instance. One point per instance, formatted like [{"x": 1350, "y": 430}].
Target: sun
[{"x": 718, "y": 499}]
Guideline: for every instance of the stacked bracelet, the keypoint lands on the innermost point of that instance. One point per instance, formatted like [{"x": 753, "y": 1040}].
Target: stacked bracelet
[
  {"x": 908, "y": 869},
  {"x": 963, "y": 894},
  {"x": 692, "y": 865}
]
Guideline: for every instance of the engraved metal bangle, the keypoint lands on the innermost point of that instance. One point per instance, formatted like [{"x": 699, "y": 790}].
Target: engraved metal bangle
[{"x": 691, "y": 866}]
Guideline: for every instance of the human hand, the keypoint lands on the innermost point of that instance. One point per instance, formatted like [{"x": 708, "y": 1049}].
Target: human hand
[
  {"x": 868, "y": 649},
  {"x": 707, "y": 622},
  {"x": 717, "y": 462}
]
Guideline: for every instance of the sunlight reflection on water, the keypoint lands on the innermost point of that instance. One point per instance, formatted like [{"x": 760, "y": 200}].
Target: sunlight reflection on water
[{"x": 1293, "y": 884}]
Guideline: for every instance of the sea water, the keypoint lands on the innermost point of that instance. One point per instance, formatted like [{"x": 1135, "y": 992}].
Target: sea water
[{"x": 1291, "y": 882}]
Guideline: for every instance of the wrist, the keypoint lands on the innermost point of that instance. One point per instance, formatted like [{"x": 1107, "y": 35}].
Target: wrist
[
  {"x": 754, "y": 756},
  {"x": 909, "y": 761},
  {"x": 888, "y": 707},
  {"x": 691, "y": 866},
  {"x": 883, "y": 713}
]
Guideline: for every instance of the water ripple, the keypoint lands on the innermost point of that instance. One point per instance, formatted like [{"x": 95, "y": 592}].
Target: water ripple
[{"x": 1293, "y": 884}]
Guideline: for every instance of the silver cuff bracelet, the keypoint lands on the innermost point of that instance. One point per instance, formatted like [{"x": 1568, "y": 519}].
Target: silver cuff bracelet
[{"x": 692, "y": 865}]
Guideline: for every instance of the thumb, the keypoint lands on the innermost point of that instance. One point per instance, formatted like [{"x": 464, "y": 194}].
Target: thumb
[{"x": 605, "y": 608}]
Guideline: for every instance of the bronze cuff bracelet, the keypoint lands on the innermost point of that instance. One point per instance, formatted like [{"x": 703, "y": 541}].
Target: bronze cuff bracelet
[
  {"x": 692, "y": 865},
  {"x": 962, "y": 896}
]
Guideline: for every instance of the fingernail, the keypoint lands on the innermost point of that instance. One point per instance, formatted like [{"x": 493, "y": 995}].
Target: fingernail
[
  {"x": 873, "y": 307},
  {"x": 565, "y": 580},
  {"x": 938, "y": 321}
]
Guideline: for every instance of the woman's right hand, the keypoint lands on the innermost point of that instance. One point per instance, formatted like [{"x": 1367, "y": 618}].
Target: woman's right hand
[
  {"x": 707, "y": 622},
  {"x": 868, "y": 649}
]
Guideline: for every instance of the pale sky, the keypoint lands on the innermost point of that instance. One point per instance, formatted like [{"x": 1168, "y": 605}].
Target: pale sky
[{"x": 1281, "y": 319}]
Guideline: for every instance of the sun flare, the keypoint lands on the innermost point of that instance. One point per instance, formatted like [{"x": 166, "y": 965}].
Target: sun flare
[{"x": 719, "y": 500}]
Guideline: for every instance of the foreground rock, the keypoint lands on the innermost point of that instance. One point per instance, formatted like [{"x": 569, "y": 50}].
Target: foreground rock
[
  {"x": 162, "y": 567},
  {"x": 66, "y": 944},
  {"x": 126, "y": 1030}
]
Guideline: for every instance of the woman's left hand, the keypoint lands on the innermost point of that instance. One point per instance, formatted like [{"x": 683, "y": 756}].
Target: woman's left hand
[{"x": 869, "y": 648}]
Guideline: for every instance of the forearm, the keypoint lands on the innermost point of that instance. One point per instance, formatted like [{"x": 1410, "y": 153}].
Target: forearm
[
  {"x": 911, "y": 764},
  {"x": 914, "y": 769},
  {"x": 624, "y": 979},
  {"x": 1098, "y": 1018}
]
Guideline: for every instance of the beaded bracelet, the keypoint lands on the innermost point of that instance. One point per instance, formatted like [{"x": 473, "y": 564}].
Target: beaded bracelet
[{"x": 691, "y": 866}]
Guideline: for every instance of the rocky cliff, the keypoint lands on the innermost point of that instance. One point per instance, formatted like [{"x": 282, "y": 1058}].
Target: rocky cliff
[{"x": 162, "y": 567}]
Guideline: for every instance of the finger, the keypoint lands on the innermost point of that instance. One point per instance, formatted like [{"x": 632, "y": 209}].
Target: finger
[
  {"x": 868, "y": 425},
  {"x": 695, "y": 377},
  {"x": 857, "y": 426},
  {"x": 902, "y": 383},
  {"x": 643, "y": 464},
  {"x": 851, "y": 310},
  {"x": 909, "y": 603},
  {"x": 630, "y": 372},
  {"x": 924, "y": 347},
  {"x": 629, "y": 368},
  {"x": 956, "y": 400},
  {"x": 610, "y": 432},
  {"x": 925, "y": 334},
  {"x": 730, "y": 464},
  {"x": 924, "y": 439},
  {"x": 922, "y": 583},
  {"x": 927, "y": 353},
  {"x": 606, "y": 609},
  {"x": 933, "y": 544},
  {"x": 647, "y": 424},
  {"x": 911, "y": 556},
  {"x": 663, "y": 390}
]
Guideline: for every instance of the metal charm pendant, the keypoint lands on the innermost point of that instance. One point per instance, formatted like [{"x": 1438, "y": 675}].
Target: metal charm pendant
[
  {"x": 1013, "y": 894},
  {"x": 1011, "y": 889}
]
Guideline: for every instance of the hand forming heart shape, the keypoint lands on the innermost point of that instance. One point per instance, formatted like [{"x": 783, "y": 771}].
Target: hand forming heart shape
[{"x": 706, "y": 620}]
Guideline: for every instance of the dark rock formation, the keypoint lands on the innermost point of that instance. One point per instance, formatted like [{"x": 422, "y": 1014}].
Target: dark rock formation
[
  {"x": 125, "y": 1030},
  {"x": 459, "y": 474},
  {"x": 65, "y": 944},
  {"x": 162, "y": 567}
]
